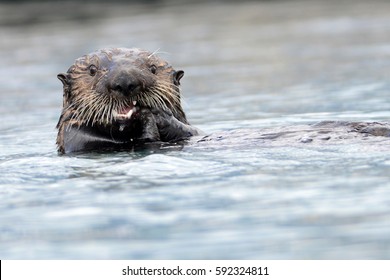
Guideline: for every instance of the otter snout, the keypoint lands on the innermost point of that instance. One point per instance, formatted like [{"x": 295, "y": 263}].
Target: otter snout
[{"x": 126, "y": 82}]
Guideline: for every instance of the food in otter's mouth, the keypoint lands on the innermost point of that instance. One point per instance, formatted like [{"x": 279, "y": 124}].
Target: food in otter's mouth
[{"x": 125, "y": 113}]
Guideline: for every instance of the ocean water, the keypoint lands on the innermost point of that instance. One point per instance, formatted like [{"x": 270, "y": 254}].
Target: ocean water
[{"x": 248, "y": 65}]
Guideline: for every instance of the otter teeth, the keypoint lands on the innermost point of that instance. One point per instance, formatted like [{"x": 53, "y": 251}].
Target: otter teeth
[
  {"x": 124, "y": 116},
  {"x": 129, "y": 113}
]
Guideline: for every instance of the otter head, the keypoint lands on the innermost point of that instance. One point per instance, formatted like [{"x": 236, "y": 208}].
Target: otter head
[{"x": 106, "y": 91}]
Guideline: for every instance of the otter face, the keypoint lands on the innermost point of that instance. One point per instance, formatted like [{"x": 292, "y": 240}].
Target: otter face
[
  {"x": 111, "y": 84},
  {"x": 108, "y": 93}
]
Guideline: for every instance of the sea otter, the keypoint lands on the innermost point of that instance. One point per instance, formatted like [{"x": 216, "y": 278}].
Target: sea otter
[
  {"x": 119, "y": 98},
  {"x": 124, "y": 98}
]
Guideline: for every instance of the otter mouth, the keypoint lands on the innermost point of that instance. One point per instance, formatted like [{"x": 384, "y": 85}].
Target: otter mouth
[{"x": 125, "y": 113}]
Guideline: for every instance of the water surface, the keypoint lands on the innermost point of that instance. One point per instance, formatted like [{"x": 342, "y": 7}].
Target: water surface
[{"x": 251, "y": 65}]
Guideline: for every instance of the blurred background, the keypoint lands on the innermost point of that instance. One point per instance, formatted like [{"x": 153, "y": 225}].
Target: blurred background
[
  {"x": 248, "y": 64},
  {"x": 256, "y": 57}
]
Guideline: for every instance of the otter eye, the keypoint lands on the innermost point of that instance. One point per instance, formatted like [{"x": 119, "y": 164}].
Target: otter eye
[
  {"x": 153, "y": 69},
  {"x": 92, "y": 70}
]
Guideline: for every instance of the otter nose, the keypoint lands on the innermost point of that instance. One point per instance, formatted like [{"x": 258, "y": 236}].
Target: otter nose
[{"x": 126, "y": 85}]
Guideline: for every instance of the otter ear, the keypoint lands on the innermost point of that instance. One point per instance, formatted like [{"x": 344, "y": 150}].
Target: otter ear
[
  {"x": 63, "y": 78},
  {"x": 177, "y": 76}
]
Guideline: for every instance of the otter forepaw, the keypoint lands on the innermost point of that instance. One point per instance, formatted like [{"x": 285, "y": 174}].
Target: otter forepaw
[
  {"x": 170, "y": 128},
  {"x": 150, "y": 131}
]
